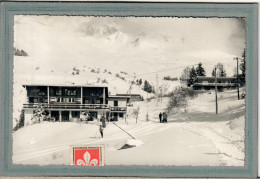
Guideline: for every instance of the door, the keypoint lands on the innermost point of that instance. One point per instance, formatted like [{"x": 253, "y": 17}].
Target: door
[
  {"x": 115, "y": 116},
  {"x": 65, "y": 115},
  {"x": 55, "y": 115}
]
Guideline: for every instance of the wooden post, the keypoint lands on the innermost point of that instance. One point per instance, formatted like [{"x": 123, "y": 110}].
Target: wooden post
[
  {"x": 81, "y": 94},
  {"x": 104, "y": 96},
  {"x": 238, "y": 97},
  {"x": 48, "y": 94},
  {"x": 70, "y": 115},
  {"x": 60, "y": 117},
  {"x": 216, "y": 91}
]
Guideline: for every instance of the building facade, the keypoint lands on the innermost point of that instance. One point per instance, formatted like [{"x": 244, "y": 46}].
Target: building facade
[
  {"x": 208, "y": 83},
  {"x": 118, "y": 106},
  {"x": 67, "y": 102}
]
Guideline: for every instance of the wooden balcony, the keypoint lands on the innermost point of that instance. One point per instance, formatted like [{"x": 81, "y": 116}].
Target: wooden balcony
[
  {"x": 117, "y": 109},
  {"x": 218, "y": 84},
  {"x": 67, "y": 106}
]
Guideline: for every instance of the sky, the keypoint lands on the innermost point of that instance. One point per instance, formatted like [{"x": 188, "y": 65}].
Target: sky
[{"x": 140, "y": 45}]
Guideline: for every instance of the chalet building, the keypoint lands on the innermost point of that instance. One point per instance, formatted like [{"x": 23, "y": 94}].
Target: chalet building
[
  {"x": 208, "y": 83},
  {"x": 118, "y": 106},
  {"x": 65, "y": 102}
]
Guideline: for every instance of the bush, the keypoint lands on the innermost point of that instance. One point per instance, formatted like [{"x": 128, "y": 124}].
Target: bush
[
  {"x": 170, "y": 78},
  {"x": 20, "y": 122},
  {"x": 118, "y": 76},
  {"x": 179, "y": 98},
  {"x": 104, "y": 81}
]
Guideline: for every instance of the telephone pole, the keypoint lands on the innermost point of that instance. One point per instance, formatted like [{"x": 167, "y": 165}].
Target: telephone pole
[
  {"x": 216, "y": 90},
  {"x": 157, "y": 90},
  {"x": 236, "y": 58}
]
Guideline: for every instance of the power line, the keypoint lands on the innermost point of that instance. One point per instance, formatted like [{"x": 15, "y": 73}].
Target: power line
[{"x": 166, "y": 70}]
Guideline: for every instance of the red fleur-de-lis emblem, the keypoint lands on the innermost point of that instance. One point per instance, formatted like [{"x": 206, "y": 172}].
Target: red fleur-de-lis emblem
[{"x": 88, "y": 161}]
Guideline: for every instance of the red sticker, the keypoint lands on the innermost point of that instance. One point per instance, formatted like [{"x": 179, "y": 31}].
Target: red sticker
[{"x": 88, "y": 155}]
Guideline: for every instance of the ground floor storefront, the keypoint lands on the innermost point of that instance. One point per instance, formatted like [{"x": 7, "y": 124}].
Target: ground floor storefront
[{"x": 70, "y": 115}]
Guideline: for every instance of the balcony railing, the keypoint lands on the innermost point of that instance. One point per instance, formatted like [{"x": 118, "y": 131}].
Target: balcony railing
[
  {"x": 69, "y": 106},
  {"x": 213, "y": 84},
  {"x": 118, "y": 108},
  {"x": 75, "y": 106}
]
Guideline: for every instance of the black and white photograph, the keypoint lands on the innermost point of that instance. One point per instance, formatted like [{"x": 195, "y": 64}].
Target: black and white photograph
[{"x": 165, "y": 91}]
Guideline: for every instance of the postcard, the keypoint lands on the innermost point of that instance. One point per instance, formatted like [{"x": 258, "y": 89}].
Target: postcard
[{"x": 162, "y": 91}]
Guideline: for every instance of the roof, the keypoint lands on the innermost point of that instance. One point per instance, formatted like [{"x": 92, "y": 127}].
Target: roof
[
  {"x": 120, "y": 97},
  {"x": 66, "y": 85},
  {"x": 219, "y": 78},
  {"x": 128, "y": 95}
]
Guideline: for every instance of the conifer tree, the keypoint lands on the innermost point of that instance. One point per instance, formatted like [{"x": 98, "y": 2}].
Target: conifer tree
[
  {"x": 192, "y": 77},
  {"x": 243, "y": 68},
  {"x": 200, "y": 71}
]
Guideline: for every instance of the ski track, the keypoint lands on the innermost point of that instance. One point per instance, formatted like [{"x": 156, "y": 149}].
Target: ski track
[{"x": 144, "y": 129}]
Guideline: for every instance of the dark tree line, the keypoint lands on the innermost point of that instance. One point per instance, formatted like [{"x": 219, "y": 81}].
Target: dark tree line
[
  {"x": 148, "y": 87},
  {"x": 139, "y": 82},
  {"x": 18, "y": 52},
  {"x": 194, "y": 72},
  {"x": 170, "y": 78}
]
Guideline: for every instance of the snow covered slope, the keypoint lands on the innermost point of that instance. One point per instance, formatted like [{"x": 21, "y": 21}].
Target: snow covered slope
[{"x": 196, "y": 137}]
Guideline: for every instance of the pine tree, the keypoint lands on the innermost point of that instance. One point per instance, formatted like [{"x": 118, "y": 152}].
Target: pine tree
[
  {"x": 213, "y": 72},
  {"x": 223, "y": 73},
  {"x": 140, "y": 81},
  {"x": 192, "y": 77},
  {"x": 200, "y": 71},
  {"x": 147, "y": 87},
  {"x": 243, "y": 69}
]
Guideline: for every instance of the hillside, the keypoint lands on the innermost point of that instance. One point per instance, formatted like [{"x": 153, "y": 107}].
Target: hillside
[{"x": 36, "y": 71}]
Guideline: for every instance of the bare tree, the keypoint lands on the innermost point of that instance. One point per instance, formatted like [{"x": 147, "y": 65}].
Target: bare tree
[{"x": 161, "y": 90}]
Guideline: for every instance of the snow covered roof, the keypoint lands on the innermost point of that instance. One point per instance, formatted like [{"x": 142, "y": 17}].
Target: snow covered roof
[
  {"x": 118, "y": 97},
  {"x": 66, "y": 85}
]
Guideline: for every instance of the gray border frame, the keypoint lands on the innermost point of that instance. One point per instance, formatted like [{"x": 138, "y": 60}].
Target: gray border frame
[{"x": 243, "y": 10}]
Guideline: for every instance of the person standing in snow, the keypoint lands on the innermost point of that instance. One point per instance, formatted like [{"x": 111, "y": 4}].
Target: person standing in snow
[
  {"x": 164, "y": 117},
  {"x": 160, "y": 117},
  {"x": 101, "y": 130},
  {"x": 103, "y": 120}
]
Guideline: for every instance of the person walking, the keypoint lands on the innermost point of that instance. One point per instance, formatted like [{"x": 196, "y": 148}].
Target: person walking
[
  {"x": 160, "y": 117},
  {"x": 101, "y": 130}
]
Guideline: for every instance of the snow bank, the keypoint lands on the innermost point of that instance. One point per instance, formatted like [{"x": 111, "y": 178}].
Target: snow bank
[{"x": 134, "y": 142}]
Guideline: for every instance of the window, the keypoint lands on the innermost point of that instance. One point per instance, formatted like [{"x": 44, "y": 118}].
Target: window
[
  {"x": 68, "y": 92},
  {"x": 115, "y": 103}
]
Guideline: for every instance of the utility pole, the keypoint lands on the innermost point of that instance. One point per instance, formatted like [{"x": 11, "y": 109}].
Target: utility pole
[
  {"x": 216, "y": 90},
  {"x": 161, "y": 94},
  {"x": 130, "y": 88},
  {"x": 157, "y": 90},
  {"x": 236, "y": 58}
]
